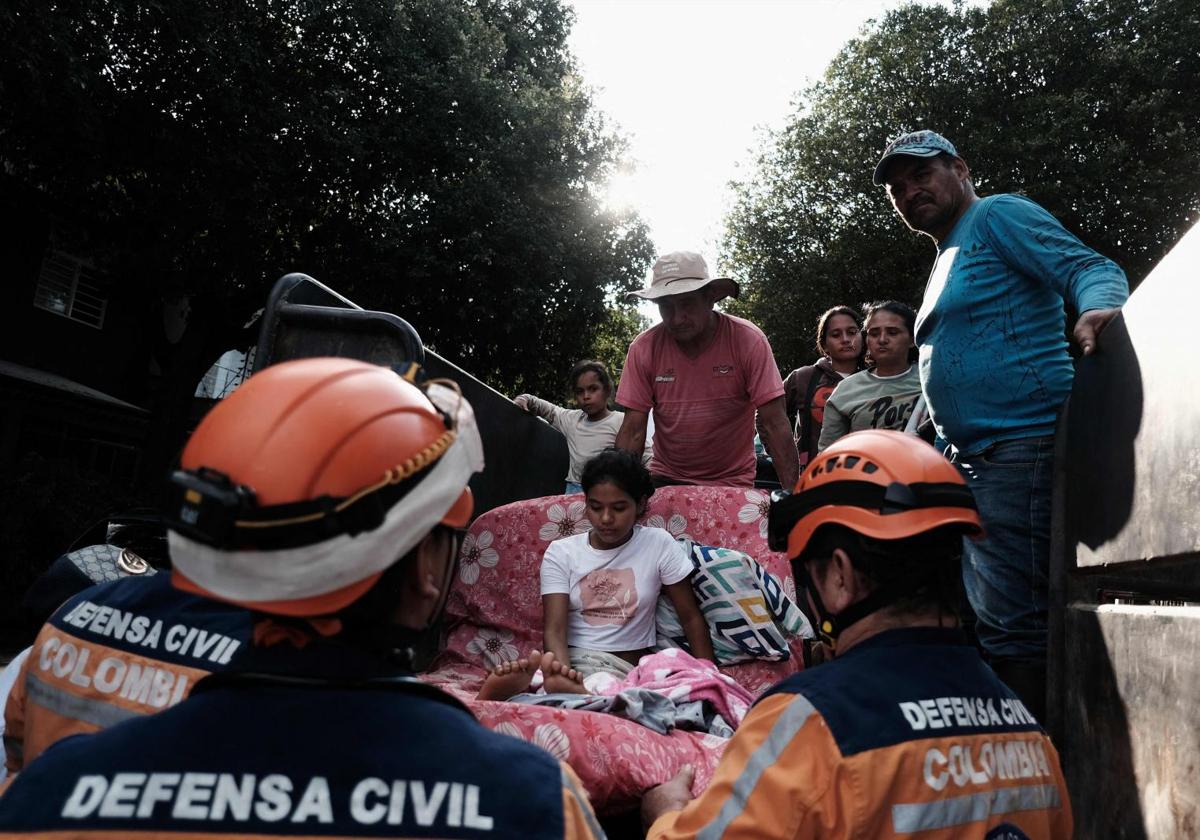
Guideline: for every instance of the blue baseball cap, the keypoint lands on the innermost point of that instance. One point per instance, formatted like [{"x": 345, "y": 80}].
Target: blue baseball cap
[{"x": 914, "y": 144}]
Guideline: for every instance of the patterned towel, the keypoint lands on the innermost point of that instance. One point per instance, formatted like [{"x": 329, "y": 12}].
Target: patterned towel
[{"x": 749, "y": 615}]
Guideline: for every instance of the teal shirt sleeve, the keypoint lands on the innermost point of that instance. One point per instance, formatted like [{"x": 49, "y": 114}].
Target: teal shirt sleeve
[
  {"x": 995, "y": 362},
  {"x": 1035, "y": 243}
]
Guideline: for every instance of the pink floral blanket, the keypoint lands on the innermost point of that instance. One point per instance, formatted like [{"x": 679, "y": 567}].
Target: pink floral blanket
[
  {"x": 665, "y": 691},
  {"x": 684, "y": 679},
  {"x": 494, "y": 614}
]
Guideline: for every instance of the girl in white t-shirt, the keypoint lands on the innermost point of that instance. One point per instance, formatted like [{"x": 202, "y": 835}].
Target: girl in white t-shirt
[
  {"x": 599, "y": 588},
  {"x": 589, "y": 429}
]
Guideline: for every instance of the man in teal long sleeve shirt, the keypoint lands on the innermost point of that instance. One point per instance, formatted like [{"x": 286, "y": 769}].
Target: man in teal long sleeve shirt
[{"x": 995, "y": 371}]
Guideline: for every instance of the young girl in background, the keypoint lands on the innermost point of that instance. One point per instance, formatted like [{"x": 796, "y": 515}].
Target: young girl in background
[
  {"x": 589, "y": 429},
  {"x": 807, "y": 389},
  {"x": 599, "y": 588},
  {"x": 884, "y": 395}
]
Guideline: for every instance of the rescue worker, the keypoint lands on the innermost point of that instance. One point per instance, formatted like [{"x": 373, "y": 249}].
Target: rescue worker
[
  {"x": 330, "y": 495},
  {"x": 133, "y": 645},
  {"x": 906, "y": 730}
]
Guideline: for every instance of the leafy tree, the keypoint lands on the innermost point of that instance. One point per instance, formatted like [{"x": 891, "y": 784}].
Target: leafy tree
[
  {"x": 435, "y": 158},
  {"x": 1083, "y": 105},
  {"x": 620, "y": 327}
]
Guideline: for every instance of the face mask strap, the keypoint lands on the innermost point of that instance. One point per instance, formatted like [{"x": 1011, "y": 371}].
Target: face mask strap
[{"x": 826, "y": 624}]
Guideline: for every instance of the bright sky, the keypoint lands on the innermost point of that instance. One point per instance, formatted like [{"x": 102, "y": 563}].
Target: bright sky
[{"x": 688, "y": 82}]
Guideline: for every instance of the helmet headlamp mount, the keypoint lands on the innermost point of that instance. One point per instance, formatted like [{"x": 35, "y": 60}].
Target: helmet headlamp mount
[{"x": 205, "y": 505}]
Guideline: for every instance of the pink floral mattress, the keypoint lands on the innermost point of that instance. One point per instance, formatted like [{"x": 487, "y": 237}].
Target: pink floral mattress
[{"x": 494, "y": 614}]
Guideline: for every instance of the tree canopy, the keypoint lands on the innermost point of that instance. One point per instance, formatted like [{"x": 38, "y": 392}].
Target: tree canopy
[
  {"x": 435, "y": 158},
  {"x": 1085, "y": 106}
]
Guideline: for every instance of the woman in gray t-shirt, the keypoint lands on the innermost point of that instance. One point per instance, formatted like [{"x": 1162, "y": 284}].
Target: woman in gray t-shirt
[{"x": 884, "y": 395}]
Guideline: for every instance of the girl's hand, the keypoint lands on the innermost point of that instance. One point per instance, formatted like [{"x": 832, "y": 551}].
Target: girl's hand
[{"x": 522, "y": 402}]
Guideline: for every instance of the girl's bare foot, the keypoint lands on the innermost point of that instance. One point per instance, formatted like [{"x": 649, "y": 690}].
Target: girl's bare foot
[
  {"x": 560, "y": 679},
  {"x": 509, "y": 678}
]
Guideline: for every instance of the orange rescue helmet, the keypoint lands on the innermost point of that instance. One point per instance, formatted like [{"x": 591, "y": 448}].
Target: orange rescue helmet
[
  {"x": 298, "y": 490},
  {"x": 882, "y": 484}
]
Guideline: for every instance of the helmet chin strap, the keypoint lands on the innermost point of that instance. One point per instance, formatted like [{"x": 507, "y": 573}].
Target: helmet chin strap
[
  {"x": 411, "y": 648},
  {"x": 831, "y": 626},
  {"x": 826, "y": 623},
  {"x": 416, "y": 648},
  {"x": 449, "y": 569}
]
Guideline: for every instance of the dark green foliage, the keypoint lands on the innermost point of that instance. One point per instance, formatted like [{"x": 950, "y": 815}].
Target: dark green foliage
[
  {"x": 434, "y": 158},
  {"x": 1088, "y": 107},
  {"x": 618, "y": 329}
]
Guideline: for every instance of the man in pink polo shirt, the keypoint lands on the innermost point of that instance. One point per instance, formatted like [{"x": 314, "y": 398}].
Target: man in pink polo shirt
[{"x": 704, "y": 373}]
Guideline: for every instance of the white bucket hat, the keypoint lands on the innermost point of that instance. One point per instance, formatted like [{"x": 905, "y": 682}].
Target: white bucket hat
[{"x": 680, "y": 273}]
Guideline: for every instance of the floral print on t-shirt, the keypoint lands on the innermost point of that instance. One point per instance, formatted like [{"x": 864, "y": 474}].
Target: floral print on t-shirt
[{"x": 608, "y": 596}]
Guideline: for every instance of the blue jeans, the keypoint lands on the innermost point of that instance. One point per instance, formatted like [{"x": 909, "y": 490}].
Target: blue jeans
[
  {"x": 1006, "y": 573},
  {"x": 572, "y": 487}
]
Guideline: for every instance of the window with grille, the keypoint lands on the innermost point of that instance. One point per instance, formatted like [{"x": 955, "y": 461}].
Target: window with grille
[{"x": 69, "y": 287}]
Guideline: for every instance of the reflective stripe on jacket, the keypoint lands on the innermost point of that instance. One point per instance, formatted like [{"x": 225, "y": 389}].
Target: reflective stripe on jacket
[
  {"x": 907, "y": 732},
  {"x": 113, "y": 652}
]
